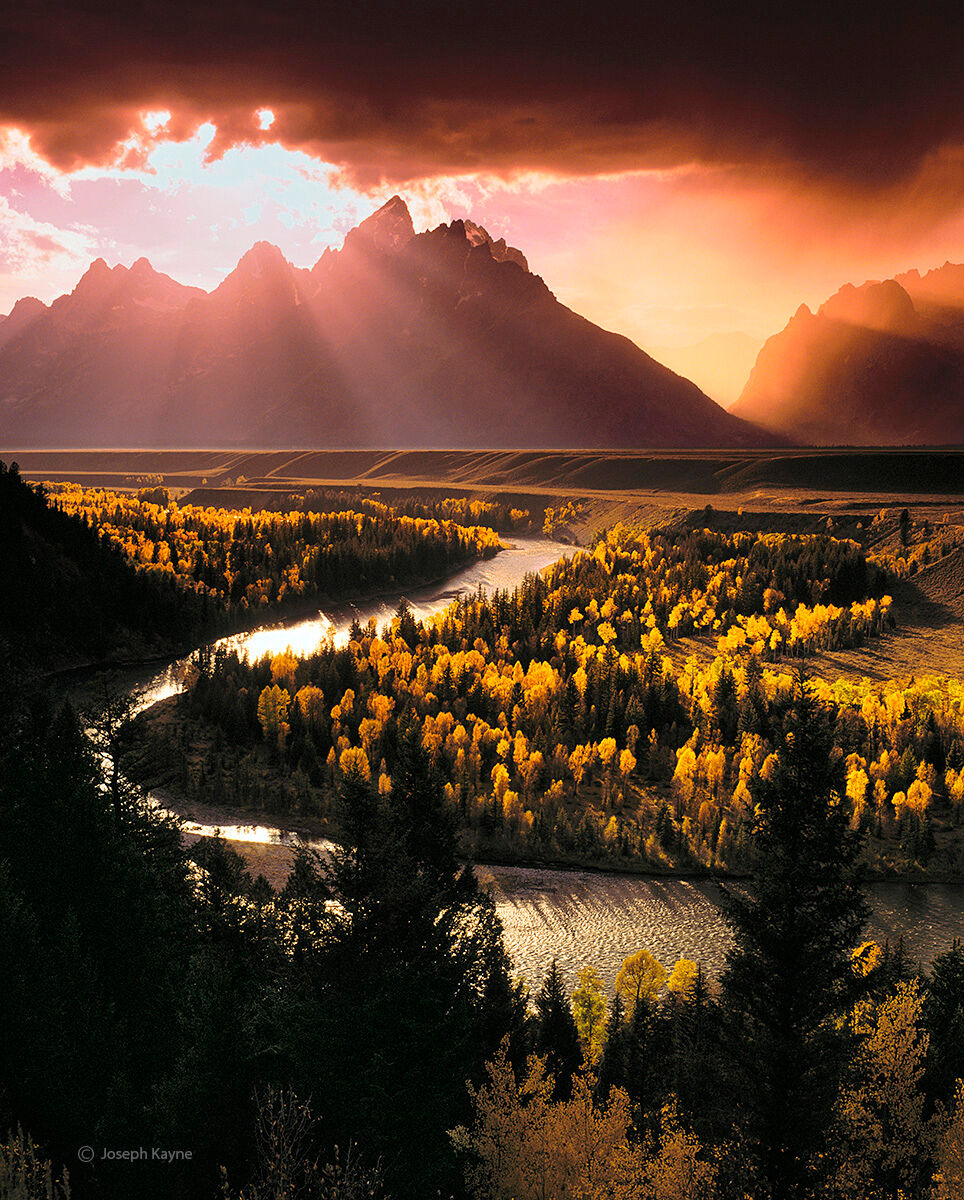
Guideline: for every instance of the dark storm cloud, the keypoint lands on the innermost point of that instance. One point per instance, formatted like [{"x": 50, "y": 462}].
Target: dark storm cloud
[{"x": 862, "y": 95}]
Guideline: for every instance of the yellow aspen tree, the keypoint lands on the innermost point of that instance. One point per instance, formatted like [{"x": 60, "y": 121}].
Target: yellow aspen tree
[
  {"x": 273, "y": 714},
  {"x": 579, "y": 760},
  {"x": 884, "y": 1136},
  {"x": 354, "y": 760},
  {"x": 283, "y": 668},
  {"x": 589, "y": 1009},
  {"x": 607, "y": 751},
  {"x": 507, "y": 1151},
  {"x": 714, "y": 767},
  {"x": 682, "y": 979},
  {"x": 918, "y": 797},
  {"x": 641, "y": 977},
  {"x": 683, "y": 776},
  {"x": 311, "y": 703},
  {"x": 512, "y": 809},
  {"x": 590, "y": 1154},
  {"x": 679, "y": 1169},
  {"x": 606, "y": 632},
  {"x": 857, "y": 785},
  {"x": 500, "y": 781}
]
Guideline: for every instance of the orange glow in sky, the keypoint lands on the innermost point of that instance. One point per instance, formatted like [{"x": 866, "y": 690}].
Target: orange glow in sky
[{"x": 666, "y": 257}]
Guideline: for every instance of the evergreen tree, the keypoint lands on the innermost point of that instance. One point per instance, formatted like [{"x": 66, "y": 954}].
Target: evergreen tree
[
  {"x": 413, "y": 991},
  {"x": 943, "y": 1013},
  {"x": 788, "y": 979},
  {"x": 695, "y": 1063},
  {"x": 613, "y": 1063},
  {"x": 557, "y": 1039}
]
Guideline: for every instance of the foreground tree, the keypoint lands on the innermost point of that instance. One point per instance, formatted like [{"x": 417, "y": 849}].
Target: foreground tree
[
  {"x": 287, "y": 1162},
  {"x": 26, "y": 1175},
  {"x": 886, "y": 1143},
  {"x": 557, "y": 1039},
  {"x": 943, "y": 1013},
  {"x": 788, "y": 982},
  {"x": 522, "y": 1146},
  {"x": 413, "y": 990},
  {"x": 949, "y": 1177}
]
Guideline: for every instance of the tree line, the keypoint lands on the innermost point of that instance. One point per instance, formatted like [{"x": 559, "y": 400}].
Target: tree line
[{"x": 95, "y": 574}]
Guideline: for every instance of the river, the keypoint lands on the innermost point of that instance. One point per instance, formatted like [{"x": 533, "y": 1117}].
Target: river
[
  {"x": 577, "y": 917},
  {"x": 302, "y": 635}
]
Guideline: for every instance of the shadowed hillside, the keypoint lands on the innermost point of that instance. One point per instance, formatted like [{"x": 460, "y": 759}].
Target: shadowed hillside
[{"x": 69, "y": 597}]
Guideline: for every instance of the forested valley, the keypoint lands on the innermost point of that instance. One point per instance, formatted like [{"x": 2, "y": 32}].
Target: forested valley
[
  {"x": 357, "y": 1032},
  {"x": 572, "y": 721}
]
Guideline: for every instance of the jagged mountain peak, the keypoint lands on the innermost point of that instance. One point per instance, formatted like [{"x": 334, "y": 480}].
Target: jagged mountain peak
[
  {"x": 388, "y": 228},
  {"x": 437, "y": 338},
  {"x": 942, "y": 286},
  {"x": 395, "y": 205},
  {"x": 263, "y": 256},
  {"x": 500, "y": 251},
  {"x": 98, "y": 280},
  {"x": 121, "y": 288},
  {"x": 20, "y": 318},
  {"x": 260, "y": 270},
  {"x": 28, "y": 306}
]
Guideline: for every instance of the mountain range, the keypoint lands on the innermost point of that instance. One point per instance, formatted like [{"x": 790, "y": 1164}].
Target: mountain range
[
  {"x": 881, "y": 364},
  {"x": 435, "y": 339}
]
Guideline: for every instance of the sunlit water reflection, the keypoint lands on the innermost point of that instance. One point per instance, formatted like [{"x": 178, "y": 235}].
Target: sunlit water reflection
[
  {"x": 580, "y": 917},
  {"x": 505, "y": 571}
]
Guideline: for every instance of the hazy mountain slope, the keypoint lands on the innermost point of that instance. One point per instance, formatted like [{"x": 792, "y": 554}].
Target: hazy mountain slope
[
  {"x": 97, "y": 363},
  {"x": 442, "y": 338},
  {"x": 882, "y": 364}
]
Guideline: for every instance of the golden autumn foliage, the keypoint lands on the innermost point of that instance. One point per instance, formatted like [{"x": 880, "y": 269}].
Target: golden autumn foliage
[
  {"x": 589, "y": 1009},
  {"x": 246, "y": 560},
  {"x": 558, "y": 742},
  {"x": 949, "y": 1177},
  {"x": 354, "y": 761},
  {"x": 682, "y": 979},
  {"x": 273, "y": 714},
  {"x": 522, "y": 1145},
  {"x": 640, "y": 977},
  {"x": 881, "y": 1119}
]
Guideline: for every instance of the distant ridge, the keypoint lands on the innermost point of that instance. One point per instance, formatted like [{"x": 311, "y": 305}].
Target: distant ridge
[
  {"x": 433, "y": 339},
  {"x": 881, "y": 364}
]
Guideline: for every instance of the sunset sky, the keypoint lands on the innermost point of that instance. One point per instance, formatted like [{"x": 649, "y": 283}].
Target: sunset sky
[{"x": 672, "y": 172}]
